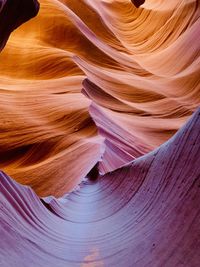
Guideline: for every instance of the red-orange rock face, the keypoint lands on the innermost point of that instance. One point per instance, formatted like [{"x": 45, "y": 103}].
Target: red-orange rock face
[{"x": 94, "y": 171}]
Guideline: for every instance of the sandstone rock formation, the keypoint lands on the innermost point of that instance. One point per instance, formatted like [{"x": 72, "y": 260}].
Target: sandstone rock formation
[{"x": 99, "y": 149}]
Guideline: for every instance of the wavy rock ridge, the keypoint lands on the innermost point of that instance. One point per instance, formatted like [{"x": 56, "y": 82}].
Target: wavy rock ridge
[
  {"x": 87, "y": 89},
  {"x": 127, "y": 218},
  {"x": 138, "y": 66}
]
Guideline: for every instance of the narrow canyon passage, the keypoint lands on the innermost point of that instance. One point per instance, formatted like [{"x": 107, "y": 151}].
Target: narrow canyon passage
[{"x": 99, "y": 133}]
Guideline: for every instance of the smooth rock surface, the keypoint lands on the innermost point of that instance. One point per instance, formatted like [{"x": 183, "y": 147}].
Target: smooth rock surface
[{"x": 146, "y": 213}]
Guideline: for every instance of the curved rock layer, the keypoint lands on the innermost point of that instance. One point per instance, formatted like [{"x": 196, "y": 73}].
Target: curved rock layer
[
  {"x": 138, "y": 66},
  {"x": 145, "y": 213},
  {"x": 85, "y": 89}
]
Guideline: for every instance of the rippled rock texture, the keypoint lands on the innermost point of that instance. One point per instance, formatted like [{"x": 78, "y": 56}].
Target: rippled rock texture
[
  {"x": 96, "y": 90},
  {"x": 146, "y": 213},
  {"x": 138, "y": 67}
]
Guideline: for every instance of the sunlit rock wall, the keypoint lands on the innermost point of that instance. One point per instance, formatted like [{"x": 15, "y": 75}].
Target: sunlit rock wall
[
  {"x": 139, "y": 67},
  {"x": 97, "y": 89}
]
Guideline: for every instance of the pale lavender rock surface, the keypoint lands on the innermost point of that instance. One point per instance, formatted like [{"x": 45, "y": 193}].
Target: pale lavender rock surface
[{"x": 146, "y": 213}]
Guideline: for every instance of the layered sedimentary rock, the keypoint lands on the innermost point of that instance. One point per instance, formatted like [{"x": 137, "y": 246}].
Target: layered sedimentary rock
[
  {"x": 146, "y": 213},
  {"x": 91, "y": 95},
  {"x": 138, "y": 66}
]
